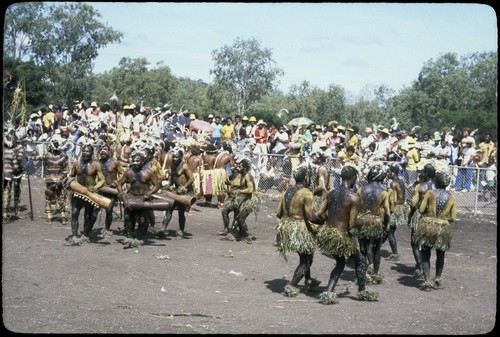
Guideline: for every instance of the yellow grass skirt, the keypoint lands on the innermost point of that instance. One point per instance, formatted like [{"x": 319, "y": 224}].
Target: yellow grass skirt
[
  {"x": 293, "y": 236},
  {"x": 399, "y": 216},
  {"x": 333, "y": 241},
  {"x": 434, "y": 232},
  {"x": 372, "y": 226},
  {"x": 213, "y": 181}
]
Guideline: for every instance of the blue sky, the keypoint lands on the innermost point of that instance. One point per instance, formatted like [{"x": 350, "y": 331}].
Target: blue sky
[{"x": 348, "y": 44}]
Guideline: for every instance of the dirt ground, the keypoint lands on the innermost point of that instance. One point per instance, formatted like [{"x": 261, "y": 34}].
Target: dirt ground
[{"x": 203, "y": 285}]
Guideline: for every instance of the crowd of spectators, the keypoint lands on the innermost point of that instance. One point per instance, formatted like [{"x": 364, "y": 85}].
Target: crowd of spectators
[{"x": 456, "y": 150}]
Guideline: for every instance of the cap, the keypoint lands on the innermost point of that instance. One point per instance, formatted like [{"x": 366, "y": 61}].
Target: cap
[
  {"x": 192, "y": 116},
  {"x": 93, "y": 104},
  {"x": 210, "y": 116}
]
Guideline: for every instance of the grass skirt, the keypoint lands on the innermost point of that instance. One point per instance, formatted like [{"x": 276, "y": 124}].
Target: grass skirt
[
  {"x": 213, "y": 181},
  {"x": 415, "y": 220},
  {"x": 244, "y": 203},
  {"x": 318, "y": 200},
  {"x": 399, "y": 216},
  {"x": 372, "y": 227},
  {"x": 293, "y": 236},
  {"x": 434, "y": 232},
  {"x": 333, "y": 241}
]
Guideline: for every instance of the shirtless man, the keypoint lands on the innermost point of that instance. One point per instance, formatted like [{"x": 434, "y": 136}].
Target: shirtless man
[
  {"x": 426, "y": 183},
  {"x": 399, "y": 208},
  {"x": 195, "y": 163},
  {"x": 373, "y": 219},
  {"x": 438, "y": 208},
  {"x": 320, "y": 184},
  {"x": 87, "y": 173},
  {"x": 56, "y": 162},
  {"x": 181, "y": 182},
  {"x": 215, "y": 173},
  {"x": 295, "y": 233},
  {"x": 336, "y": 236},
  {"x": 142, "y": 183},
  {"x": 112, "y": 169},
  {"x": 242, "y": 200}
]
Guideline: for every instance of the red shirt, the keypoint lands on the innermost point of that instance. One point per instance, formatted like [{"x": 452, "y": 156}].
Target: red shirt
[{"x": 261, "y": 136}]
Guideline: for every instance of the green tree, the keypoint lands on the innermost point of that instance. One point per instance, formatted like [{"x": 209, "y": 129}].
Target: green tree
[
  {"x": 247, "y": 70},
  {"x": 65, "y": 40}
]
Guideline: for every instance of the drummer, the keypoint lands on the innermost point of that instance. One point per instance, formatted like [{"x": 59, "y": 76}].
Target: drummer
[
  {"x": 88, "y": 173},
  {"x": 111, "y": 168},
  {"x": 142, "y": 184}
]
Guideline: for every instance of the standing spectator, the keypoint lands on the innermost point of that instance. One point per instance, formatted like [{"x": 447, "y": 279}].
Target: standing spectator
[
  {"x": 334, "y": 139},
  {"x": 261, "y": 135},
  {"x": 253, "y": 127},
  {"x": 442, "y": 152},
  {"x": 426, "y": 145},
  {"x": 383, "y": 145},
  {"x": 137, "y": 123},
  {"x": 491, "y": 179},
  {"x": 216, "y": 133},
  {"x": 48, "y": 119},
  {"x": 466, "y": 132},
  {"x": 486, "y": 147},
  {"x": 413, "y": 160},
  {"x": 455, "y": 151},
  {"x": 237, "y": 126},
  {"x": 126, "y": 119},
  {"x": 243, "y": 131},
  {"x": 227, "y": 132},
  {"x": 352, "y": 137},
  {"x": 367, "y": 139},
  {"x": 464, "y": 176}
]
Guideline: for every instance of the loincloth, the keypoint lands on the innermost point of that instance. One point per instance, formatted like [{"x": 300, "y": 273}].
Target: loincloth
[
  {"x": 333, "y": 241},
  {"x": 292, "y": 235},
  {"x": 433, "y": 232}
]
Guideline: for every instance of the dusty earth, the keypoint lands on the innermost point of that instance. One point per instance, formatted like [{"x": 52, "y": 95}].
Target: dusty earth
[{"x": 203, "y": 285}]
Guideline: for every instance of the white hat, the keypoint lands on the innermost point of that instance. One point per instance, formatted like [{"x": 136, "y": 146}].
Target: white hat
[
  {"x": 93, "y": 104},
  {"x": 210, "y": 116},
  {"x": 468, "y": 140},
  {"x": 261, "y": 122}
]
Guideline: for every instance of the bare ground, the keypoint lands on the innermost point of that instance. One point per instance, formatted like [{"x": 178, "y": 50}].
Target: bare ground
[{"x": 203, "y": 285}]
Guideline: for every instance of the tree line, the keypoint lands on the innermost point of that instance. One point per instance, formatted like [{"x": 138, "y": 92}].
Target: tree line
[{"x": 49, "y": 50}]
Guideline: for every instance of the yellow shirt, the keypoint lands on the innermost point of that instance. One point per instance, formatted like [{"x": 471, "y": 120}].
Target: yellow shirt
[
  {"x": 47, "y": 119},
  {"x": 227, "y": 131},
  {"x": 413, "y": 159},
  {"x": 486, "y": 150}
]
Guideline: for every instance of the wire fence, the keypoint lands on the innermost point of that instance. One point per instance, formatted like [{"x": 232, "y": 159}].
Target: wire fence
[{"x": 471, "y": 187}]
